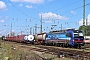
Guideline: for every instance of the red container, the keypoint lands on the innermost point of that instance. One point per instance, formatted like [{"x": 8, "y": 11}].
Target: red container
[{"x": 19, "y": 38}]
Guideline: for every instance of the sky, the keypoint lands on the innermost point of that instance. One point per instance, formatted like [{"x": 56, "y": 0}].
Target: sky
[{"x": 22, "y": 15}]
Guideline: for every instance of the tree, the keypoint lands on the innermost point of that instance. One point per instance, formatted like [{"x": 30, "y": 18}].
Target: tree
[
  {"x": 1, "y": 38},
  {"x": 86, "y": 30}
]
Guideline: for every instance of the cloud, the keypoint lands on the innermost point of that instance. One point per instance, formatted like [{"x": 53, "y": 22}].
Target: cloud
[
  {"x": 28, "y": 6},
  {"x": 20, "y": 5},
  {"x": 1, "y": 21},
  {"x": 52, "y": 16},
  {"x": 73, "y": 12},
  {"x": 30, "y": 1},
  {"x": 6, "y": 17},
  {"x": 2, "y": 6},
  {"x": 0, "y": 16},
  {"x": 48, "y": 21},
  {"x": 88, "y": 21},
  {"x": 80, "y": 22}
]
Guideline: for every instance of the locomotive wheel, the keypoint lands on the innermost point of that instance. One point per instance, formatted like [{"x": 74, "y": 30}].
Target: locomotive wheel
[
  {"x": 66, "y": 45},
  {"x": 79, "y": 46}
]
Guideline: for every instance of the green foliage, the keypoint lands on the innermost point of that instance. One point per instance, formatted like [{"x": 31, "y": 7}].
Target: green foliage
[
  {"x": 2, "y": 37},
  {"x": 86, "y": 29}
]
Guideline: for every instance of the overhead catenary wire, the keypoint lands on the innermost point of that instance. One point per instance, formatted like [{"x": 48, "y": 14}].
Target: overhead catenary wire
[
  {"x": 49, "y": 4},
  {"x": 41, "y": 6},
  {"x": 25, "y": 13},
  {"x": 75, "y": 8},
  {"x": 66, "y": 6},
  {"x": 72, "y": 9},
  {"x": 78, "y": 8},
  {"x": 61, "y": 7},
  {"x": 19, "y": 9},
  {"x": 54, "y": 11}
]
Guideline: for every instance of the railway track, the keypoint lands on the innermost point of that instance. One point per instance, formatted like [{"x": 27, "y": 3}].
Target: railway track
[
  {"x": 66, "y": 52},
  {"x": 69, "y": 53},
  {"x": 86, "y": 46}
]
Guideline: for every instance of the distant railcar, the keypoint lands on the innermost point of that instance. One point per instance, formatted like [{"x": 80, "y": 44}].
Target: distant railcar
[
  {"x": 40, "y": 38},
  {"x": 19, "y": 38},
  {"x": 87, "y": 39},
  {"x": 29, "y": 39}
]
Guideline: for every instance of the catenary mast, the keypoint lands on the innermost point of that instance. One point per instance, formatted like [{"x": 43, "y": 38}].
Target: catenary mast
[{"x": 84, "y": 16}]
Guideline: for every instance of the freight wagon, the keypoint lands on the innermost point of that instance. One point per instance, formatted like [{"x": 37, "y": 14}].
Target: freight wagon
[{"x": 20, "y": 38}]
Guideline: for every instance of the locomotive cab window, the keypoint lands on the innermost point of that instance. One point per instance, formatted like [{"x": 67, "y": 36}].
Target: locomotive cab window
[{"x": 80, "y": 34}]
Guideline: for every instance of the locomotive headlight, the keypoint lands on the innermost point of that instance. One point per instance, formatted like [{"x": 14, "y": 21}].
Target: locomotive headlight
[{"x": 73, "y": 40}]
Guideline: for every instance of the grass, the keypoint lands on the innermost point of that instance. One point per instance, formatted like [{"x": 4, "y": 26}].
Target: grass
[{"x": 7, "y": 50}]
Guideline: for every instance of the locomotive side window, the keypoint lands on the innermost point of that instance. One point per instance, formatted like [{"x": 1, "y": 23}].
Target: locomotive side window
[
  {"x": 69, "y": 35},
  {"x": 46, "y": 35}
]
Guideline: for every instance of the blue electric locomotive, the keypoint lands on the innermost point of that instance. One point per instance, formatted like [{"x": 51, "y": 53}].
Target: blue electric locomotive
[{"x": 70, "y": 37}]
